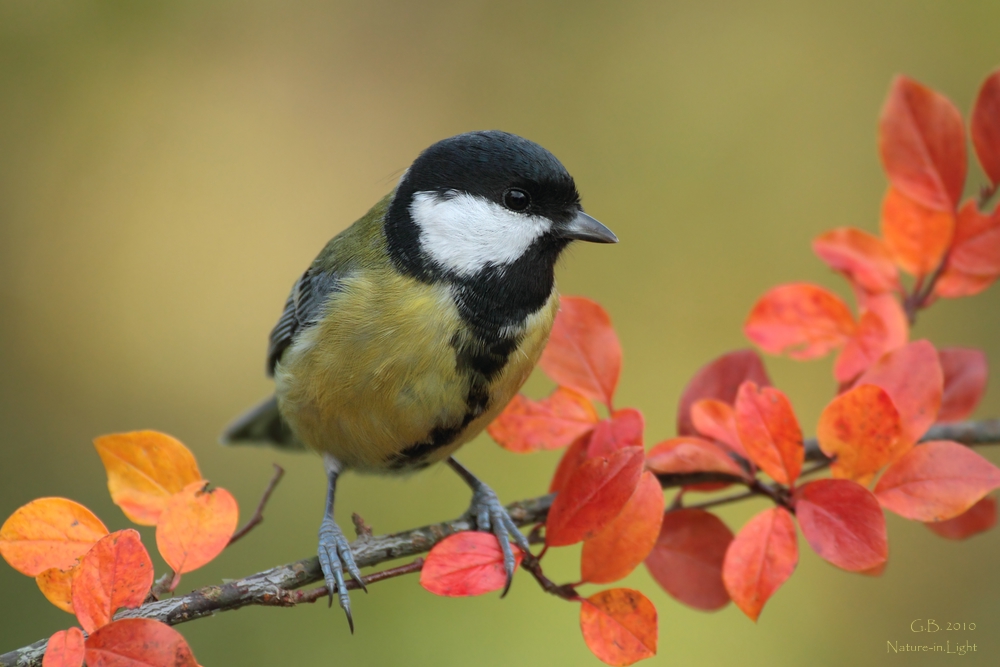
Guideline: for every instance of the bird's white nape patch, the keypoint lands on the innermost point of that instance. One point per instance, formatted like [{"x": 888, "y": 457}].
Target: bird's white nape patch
[{"x": 466, "y": 233}]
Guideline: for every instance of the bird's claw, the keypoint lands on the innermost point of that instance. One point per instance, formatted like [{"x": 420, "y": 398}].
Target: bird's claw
[
  {"x": 491, "y": 516},
  {"x": 335, "y": 555}
]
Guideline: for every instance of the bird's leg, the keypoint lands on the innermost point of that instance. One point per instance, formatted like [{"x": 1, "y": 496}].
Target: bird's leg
[
  {"x": 490, "y": 516},
  {"x": 334, "y": 549}
]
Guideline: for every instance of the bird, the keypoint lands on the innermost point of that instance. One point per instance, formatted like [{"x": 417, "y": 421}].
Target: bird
[{"x": 415, "y": 326}]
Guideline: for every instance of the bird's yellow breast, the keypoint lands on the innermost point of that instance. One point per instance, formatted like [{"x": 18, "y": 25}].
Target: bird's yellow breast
[{"x": 377, "y": 383}]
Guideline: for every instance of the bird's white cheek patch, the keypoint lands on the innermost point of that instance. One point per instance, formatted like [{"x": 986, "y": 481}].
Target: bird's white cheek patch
[{"x": 465, "y": 233}]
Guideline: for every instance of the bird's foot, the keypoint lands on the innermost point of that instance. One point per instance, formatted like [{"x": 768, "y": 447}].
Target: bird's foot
[
  {"x": 491, "y": 516},
  {"x": 334, "y": 556}
]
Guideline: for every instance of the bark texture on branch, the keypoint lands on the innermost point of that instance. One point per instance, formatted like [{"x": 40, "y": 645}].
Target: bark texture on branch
[{"x": 271, "y": 587}]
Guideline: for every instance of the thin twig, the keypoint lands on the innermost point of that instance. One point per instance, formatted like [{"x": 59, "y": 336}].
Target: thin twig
[{"x": 258, "y": 515}]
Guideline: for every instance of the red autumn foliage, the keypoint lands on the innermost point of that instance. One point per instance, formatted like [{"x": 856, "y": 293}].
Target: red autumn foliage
[
  {"x": 65, "y": 649},
  {"x": 861, "y": 431},
  {"x": 717, "y": 420},
  {"x": 465, "y": 564},
  {"x": 760, "y": 559},
  {"x": 801, "y": 320},
  {"x": 843, "y": 523},
  {"x": 138, "y": 642},
  {"x": 769, "y": 431},
  {"x": 917, "y": 236},
  {"x": 687, "y": 558},
  {"x": 691, "y": 455},
  {"x": 619, "y": 626},
  {"x": 571, "y": 459},
  {"x": 719, "y": 379},
  {"x": 623, "y": 429},
  {"x": 552, "y": 423},
  {"x": 583, "y": 351},
  {"x": 195, "y": 526},
  {"x": 977, "y": 519},
  {"x": 115, "y": 573},
  {"x": 860, "y": 256},
  {"x": 973, "y": 262},
  {"x": 985, "y": 128},
  {"x": 964, "y": 371}
]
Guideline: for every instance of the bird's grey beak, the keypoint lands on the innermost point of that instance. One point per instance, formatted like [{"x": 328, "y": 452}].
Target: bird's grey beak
[{"x": 585, "y": 228}]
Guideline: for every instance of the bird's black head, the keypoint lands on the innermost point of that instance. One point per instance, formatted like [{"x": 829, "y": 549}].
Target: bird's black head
[{"x": 480, "y": 202}]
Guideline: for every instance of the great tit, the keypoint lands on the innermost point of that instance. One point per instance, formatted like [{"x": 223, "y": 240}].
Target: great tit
[{"x": 416, "y": 325}]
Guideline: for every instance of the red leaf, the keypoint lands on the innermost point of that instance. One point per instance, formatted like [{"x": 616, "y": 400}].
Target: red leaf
[
  {"x": 862, "y": 350},
  {"x": 65, "y": 649},
  {"x": 964, "y": 382},
  {"x": 912, "y": 377},
  {"x": 593, "y": 496},
  {"x": 860, "y": 256},
  {"x": 138, "y": 642},
  {"x": 890, "y": 311},
  {"x": 974, "y": 260},
  {"x": 922, "y": 144},
  {"x": 571, "y": 459},
  {"x": 770, "y": 432},
  {"x": 619, "y": 626},
  {"x": 688, "y": 556},
  {"x": 689, "y": 455},
  {"x": 466, "y": 564},
  {"x": 985, "y": 128},
  {"x": 760, "y": 559},
  {"x": 719, "y": 379},
  {"x": 552, "y": 423},
  {"x": 861, "y": 430},
  {"x": 977, "y": 519},
  {"x": 115, "y": 573},
  {"x": 918, "y": 237},
  {"x": 801, "y": 320},
  {"x": 625, "y": 542},
  {"x": 195, "y": 526},
  {"x": 583, "y": 351},
  {"x": 843, "y": 523},
  {"x": 717, "y": 420},
  {"x": 624, "y": 429},
  {"x": 936, "y": 480}
]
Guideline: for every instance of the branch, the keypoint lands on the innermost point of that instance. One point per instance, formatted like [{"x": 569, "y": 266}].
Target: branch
[{"x": 272, "y": 587}]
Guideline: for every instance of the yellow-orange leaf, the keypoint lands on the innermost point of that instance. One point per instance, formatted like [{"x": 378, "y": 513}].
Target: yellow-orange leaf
[
  {"x": 47, "y": 533},
  {"x": 144, "y": 469},
  {"x": 627, "y": 540},
  {"x": 195, "y": 526},
  {"x": 861, "y": 430},
  {"x": 917, "y": 237},
  {"x": 57, "y": 586},
  {"x": 619, "y": 626}
]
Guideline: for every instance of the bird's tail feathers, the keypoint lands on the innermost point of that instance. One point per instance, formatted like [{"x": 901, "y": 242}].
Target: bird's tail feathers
[{"x": 261, "y": 425}]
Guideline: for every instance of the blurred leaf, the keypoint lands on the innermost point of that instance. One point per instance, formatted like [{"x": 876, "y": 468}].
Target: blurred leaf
[
  {"x": 719, "y": 379},
  {"x": 922, "y": 144},
  {"x": 717, "y": 420},
  {"x": 863, "y": 349},
  {"x": 583, "y": 352},
  {"x": 144, "y": 469},
  {"x": 625, "y": 542},
  {"x": 985, "y": 128},
  {"x": 769, "y": 431},
  {"x": 47, "y": 533},
  {"x": 860, "y": 256},
  {"x": 974, "y": 261},
  {"x": 861, "y": 430},
  {"x": 619, "y": 626},
  {"x": 977, "y": 519},
  {"x": 801, "y": 320},
  {"x": 687, "y": 558},
  {"x": 689, "y": 455},
  {"x": 469, "y": 563},
  {"x": 195, "y": 526},
  {"x": 917, "y": 236},
  {"x": 965, "y": 374},
  {"x": 913, "y": 379},
  {"x": 115, "y": 573},
  {"x": 843, "y": 523},
  {"x": 760, "y": 559},
  {"x": 552, "y": 423}
]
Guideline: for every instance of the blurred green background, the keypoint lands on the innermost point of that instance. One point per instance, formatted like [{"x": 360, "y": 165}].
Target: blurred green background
[{"x": 168, "y": 169}]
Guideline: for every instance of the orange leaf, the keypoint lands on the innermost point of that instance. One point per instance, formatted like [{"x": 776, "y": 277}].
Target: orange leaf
[
  {"x": 977, "y": 519},
  {"x": 138, "y": 642},
  {"x": 843, "y": 523},
  {"x": 552, "y": 423},
  {"x": 719, "y": 379},
  {"x": 571, "y": 459},
  {"x": 760, "y": 559},
  {"x": 619, "y": 626},
  {"x": 625, "y": 542},
  {"x": 115, "y": 573},
  {"x": 890, "y": 311},
  {"x": 624, "y": 429},
  {"x": 861, "y": 430},
  {"x": 974, "y": 260},
  {"x": 57, "y": 586},
  {"x": 917, "y": 236},
  {"x": 936, "y": 480},
  {"x": 65, "y": 649},
  {"x": 913, "y": 379},
  {"x": 690, "y": 455},
  {"x": 717, "y": 420},
  {"x": 583, "y": 351},
  {"x": 466, "y": 564},
  {"x": 144, "y": 469},
  {"x": 593, "y": 496},
  {"x": 47, "y": 533},
  {"x": 862, "y": 350},
  {"x": 860, "y": 256},
  {"x": 985, "y": 128},
  {"x": 801, "y": 320},
  {"x": 964, "y": 382},
  {"x": 770, "y": 432},
  {"x": 922, "y": 144},
  {"x": 688, "y": 556},
  {"x": 195, "y": 526}
]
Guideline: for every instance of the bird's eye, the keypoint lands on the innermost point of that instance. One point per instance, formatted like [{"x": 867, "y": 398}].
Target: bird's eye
[{"x": 516, "y": 200}]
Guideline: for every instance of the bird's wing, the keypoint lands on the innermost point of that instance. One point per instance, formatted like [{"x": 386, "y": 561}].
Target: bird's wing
[{"x": 302, "y": 309}]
